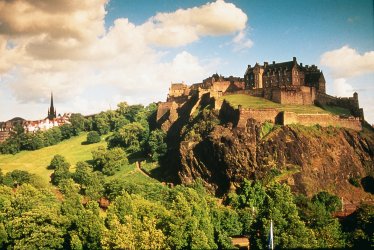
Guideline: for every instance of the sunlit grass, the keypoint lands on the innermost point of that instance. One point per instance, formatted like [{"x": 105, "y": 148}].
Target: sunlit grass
[
  {"x": 36, "y": 162},
  {"x": 248, "y": 101}
]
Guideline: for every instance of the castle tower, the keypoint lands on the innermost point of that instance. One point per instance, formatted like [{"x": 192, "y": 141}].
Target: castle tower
[{"x": 51, "y": 110}]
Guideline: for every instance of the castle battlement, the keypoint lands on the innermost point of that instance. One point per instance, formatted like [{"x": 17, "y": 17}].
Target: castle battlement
[{"x": 285, "y": 83}]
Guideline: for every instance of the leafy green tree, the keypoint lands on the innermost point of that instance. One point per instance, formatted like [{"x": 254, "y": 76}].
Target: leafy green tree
[
  {"x": 78, "y": 123},
  {"x": 57, "y": 161},
  {"x": 101, "y": 123},
  {"x": 289, "y": 230},
  {"x": 317, "y": 217},
  {"x": 130, "y": 136},
  {"x": 52, "y": 136},
  {"x": 67, "y": 131},
  {"x": 157, "y": 144},
  {"x": 331, "y": 202},
  {"x": 109, "y": 161},
  {"x": 93, "y": 137},
  {"x": 12, "y": 145},
  {"x": 61, "y": 169},
  {"x": 91, "y": 182},
  {"x": 360, "y": 227},
  {"x": 18, "y": 177}
]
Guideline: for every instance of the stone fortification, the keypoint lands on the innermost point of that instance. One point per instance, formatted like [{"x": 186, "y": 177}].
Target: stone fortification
[
  {"x": 323, "y": 120},
  {"x": 284, "y": 83}
]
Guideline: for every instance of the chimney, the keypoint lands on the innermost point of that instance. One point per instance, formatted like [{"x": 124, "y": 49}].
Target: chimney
[
  {"x": 266, "y": 64},
  {"x": 249, "y": 65},
  {"x": 273, "y": 62},
  {"x": 301, "y": 64},
  {"x": 294, "y": 59}
]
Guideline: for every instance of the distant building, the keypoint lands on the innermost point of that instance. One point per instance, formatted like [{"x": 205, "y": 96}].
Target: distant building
[
  {"x": 51, "y": 110},
  {"x": 52, "y": 120}
]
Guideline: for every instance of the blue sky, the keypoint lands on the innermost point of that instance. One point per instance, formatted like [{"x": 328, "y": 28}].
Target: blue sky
[{"x": 118, "y": 50}]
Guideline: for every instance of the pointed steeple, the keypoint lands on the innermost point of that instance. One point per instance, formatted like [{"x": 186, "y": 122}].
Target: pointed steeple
[{"x": 51, "y": 110}]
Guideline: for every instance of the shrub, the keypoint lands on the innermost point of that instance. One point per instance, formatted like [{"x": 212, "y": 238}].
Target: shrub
[{"x": 93, "y": 137}]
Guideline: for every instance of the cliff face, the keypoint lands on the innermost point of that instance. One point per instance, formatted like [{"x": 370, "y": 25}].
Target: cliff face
[{"x": 309, "y": 159}]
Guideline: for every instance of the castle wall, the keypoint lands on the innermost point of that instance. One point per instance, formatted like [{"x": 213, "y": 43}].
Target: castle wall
[
  {"x": 166, "y": 111},
  {"x": 350, "y": 103},
  {"x": 260, "y": 115},
  {"x": 323, "y": 120}
]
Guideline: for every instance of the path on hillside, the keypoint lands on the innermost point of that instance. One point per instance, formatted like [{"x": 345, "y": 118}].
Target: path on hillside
[{"x": 139, "y": 168}]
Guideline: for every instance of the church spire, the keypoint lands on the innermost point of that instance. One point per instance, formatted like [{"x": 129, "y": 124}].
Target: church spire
[{"x": 51, "y": 110}]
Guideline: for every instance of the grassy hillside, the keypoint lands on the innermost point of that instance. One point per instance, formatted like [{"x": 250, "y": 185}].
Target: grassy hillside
[
  {"x": 256, "y": 102},
  {"x": 74, "y": 150},
  {"x": 36, "y": 162}
]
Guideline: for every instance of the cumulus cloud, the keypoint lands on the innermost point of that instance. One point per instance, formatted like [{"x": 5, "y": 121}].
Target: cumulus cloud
[
  {"x": 347, "y": 62},
  {"x": 63, "y": 46},
  {"x": 342, "y": 87},
  {"x": 187, "y": 25}
]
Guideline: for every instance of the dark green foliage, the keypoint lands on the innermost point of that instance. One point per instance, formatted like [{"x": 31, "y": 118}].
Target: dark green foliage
[
  {"x": 79, "y": 123},
  {"x": 354, "y": 181},
  {"x": 360, "y": 227},
  {"x": 12, "y": 145},
  {"x": 67, "y": 131},
  {"x": 61, "y": 169},
  {"x": 57, "y": 161},
  {"x": 101, "y": 123},
  {"x": 331, "y": 202},
  {"x": 131, "y": 137},
  {"x": 93, "y": 137},
  {"x": 91, "y": 182},
  {"x": 319, "y": 218},
  {"x": 109, "y": 161},
  {"x": 17, "y": 177},
  {"x": 157, "y": 144}
]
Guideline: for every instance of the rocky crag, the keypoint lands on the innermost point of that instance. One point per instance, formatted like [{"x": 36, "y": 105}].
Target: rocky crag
[{"x": 204, "y": 144}]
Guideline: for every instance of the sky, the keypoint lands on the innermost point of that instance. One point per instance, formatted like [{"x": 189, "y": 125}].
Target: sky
[{"x": 93, "y": 54}]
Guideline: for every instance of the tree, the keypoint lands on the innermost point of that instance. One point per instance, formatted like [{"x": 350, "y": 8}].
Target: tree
[
  {"x": 91, "y": 182},
  {"x": 17, "y": 177},
  {"x": 331, "y": 202},
  {"x": 93, "y": 137},
  {"x": 101, "y": 123},
  {"x": 289, "y": 230},
  {"x": 130, "y": 137},
  {"x": 77, "y": 122},
  {"x": 109, "y": 161},
  {"x": 61, "y": 169},
  {"x": 67, "y": 131},
  {"x": 58, "y": 161},
  {"x": 157, "y": 144}
]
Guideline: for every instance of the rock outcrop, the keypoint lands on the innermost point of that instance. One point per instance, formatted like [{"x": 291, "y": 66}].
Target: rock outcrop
[{"x": 309, "y": 159}]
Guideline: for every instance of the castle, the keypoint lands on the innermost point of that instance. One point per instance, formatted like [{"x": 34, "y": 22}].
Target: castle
[
  {"x": 284, "y": 83},
  {"x": 52, "y": 120}
]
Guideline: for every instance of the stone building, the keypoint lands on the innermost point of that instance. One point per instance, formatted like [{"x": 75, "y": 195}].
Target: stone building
[
  {"x": 51, "y": 110},
  {"x": 286, "y": 82}
]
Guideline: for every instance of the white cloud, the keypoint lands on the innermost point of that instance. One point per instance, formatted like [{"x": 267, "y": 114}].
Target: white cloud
[
  {"x": 187, "y": 25},
  {"x": 342, "y": 88},
  {"x": 347, "y": 62},
  {"x": 63, "y": 46},
  {"x": 241, "y": 42}
]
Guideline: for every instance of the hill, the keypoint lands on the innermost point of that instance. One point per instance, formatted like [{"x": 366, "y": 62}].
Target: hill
[{"x": 36, "y": 162}]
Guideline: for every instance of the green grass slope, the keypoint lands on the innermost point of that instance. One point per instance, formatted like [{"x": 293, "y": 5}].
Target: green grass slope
[
  {"x": 36, "y": 162},
  {"x": 257, "y": 102}
]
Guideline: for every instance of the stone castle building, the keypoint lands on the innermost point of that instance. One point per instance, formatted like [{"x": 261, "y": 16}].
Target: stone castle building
[{"x": 285, "y": 83}]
